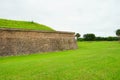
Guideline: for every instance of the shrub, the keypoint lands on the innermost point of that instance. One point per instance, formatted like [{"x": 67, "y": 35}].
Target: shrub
[
  {"x": 80, "y": 39},
  {"x": 106, "y": 38}
]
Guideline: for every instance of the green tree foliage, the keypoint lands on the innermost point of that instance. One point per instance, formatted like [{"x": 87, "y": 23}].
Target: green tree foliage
[
  {"x": 118, "y": 33},
  {"x": 77, "y": 35},
  {"x": 89, "y": 37}
]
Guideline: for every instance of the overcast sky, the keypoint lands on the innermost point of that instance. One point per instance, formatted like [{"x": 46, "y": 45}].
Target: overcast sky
[{"x": 101, "y": 17}]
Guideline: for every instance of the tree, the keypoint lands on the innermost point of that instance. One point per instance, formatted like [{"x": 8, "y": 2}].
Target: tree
[
  {"x": 118, "y": 33},
  {"x": 89, "y": 37},
  {"x": 77, "y": 35}
]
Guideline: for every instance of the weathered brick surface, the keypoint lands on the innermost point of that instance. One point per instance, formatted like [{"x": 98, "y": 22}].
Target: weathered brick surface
[{"x": 16, "y": 42}]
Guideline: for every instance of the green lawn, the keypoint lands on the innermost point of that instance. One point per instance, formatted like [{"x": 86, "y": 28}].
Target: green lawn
[
  {"x": 4, "y": 23},
  {"x": 91, "y": 61}
]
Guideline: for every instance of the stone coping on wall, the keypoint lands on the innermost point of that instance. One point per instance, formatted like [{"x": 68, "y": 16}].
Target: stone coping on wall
[{"x": 29, "y": 30}]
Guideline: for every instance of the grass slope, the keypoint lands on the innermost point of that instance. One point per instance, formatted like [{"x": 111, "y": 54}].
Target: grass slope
[
  {"x": 4, "y": 23},
  {"x": 92, "y": 61}
]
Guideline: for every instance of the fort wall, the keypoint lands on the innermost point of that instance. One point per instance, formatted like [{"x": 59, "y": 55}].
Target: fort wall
[{"x": 17, "y": 42}]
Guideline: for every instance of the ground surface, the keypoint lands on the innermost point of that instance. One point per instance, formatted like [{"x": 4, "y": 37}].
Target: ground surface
[
  {"x": 4, "y": 23},
  {"x": 92, "y": 61}
]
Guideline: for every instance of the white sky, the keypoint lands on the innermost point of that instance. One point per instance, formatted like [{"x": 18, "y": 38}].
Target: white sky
[{"x": 101, "y": 17}]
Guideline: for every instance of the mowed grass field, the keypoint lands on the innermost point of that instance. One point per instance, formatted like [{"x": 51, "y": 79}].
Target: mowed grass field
[{"x": 91, "y": 61}]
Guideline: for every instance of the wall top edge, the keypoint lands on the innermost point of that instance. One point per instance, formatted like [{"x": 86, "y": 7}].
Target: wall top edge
[{"x": 27, "y": 30}]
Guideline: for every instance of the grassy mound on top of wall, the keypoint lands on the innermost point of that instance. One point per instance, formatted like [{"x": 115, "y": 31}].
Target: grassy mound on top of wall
[
  {"x": 91, "y": 61},
  {"x": 4, "y": 23}
]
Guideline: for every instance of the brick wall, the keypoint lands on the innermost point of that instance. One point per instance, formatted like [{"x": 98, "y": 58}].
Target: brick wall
[{"x": 17, "y": 42}]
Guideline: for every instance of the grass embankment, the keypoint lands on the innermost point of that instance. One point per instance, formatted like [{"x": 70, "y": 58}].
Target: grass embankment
[
  {"x": 92, "y": 61},
  {"x": 4, "y": 23}
]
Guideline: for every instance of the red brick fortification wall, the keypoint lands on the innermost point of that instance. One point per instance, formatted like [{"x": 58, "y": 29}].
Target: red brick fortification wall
[{"x": 17, "y": 42}]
